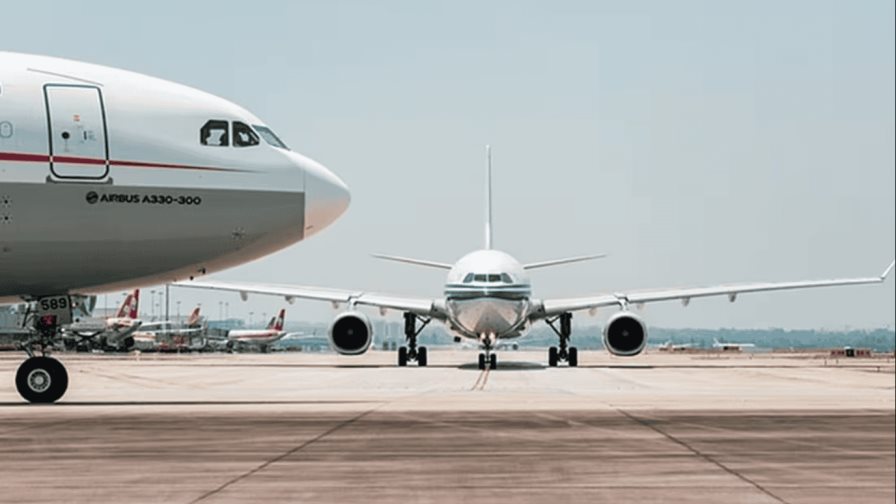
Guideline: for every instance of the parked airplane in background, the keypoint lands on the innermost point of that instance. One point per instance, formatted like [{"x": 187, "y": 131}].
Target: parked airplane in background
[
  {"x": 168, "y": 334},
  {"x": 261, "y": 339},
  {"x": 668, "y": 346},
  {"x": 114, "y": 331},
  {"x": 731, "y": 347},
  {"x": 488, "y": 298},
  {"x": 174, "y": 182}
]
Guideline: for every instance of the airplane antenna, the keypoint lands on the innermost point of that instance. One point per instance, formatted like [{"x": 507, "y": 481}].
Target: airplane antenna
[{"x": 488, "y": 197}]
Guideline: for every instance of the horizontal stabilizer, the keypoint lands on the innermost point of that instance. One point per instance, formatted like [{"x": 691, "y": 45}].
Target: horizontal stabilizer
[
  {"x": 418, "y": 262},
  {"x": 567, "y": 260}
]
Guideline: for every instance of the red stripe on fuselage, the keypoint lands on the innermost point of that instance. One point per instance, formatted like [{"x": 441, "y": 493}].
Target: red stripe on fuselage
[{"x": 43, "y": 158}]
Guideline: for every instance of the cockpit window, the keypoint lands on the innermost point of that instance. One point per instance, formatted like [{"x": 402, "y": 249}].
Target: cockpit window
[
  {"x": 243, "y": 136},
  {"x": 269, "y": 136},
  {"x": 214, "y": 133},
  {"x": 488, "y": 278}
]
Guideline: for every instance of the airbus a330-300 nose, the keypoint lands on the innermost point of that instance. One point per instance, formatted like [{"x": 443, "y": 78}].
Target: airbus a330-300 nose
[{"x": 113, "y": 179}]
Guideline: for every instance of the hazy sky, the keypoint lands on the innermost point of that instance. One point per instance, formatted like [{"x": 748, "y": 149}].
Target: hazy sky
[{"x": 695, "y": 142}]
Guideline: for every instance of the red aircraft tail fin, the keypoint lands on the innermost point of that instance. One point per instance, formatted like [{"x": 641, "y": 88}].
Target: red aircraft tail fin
[
  {"x": 129, "y": 306},
  {"x": 277, "y": 322}
]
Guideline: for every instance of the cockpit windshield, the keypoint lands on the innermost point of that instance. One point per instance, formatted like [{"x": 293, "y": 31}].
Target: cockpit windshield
[
  {"x": 269, "y": 136},
  {"x": 488, "y": 278}
]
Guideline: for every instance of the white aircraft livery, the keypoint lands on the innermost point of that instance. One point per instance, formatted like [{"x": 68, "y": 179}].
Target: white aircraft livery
[
  {"x": 113, "y": 179},
  {"x": 258, "y": 338},
  {"x": 488, "y": 297}
]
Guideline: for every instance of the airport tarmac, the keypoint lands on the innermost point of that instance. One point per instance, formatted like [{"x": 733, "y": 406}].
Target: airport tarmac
[{"x": 318, "y": 427}]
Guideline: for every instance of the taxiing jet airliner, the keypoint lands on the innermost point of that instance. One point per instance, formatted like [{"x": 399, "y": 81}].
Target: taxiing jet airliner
[
  {"x": 113, "y": 179},
  {"x": 488, "y": 297}
]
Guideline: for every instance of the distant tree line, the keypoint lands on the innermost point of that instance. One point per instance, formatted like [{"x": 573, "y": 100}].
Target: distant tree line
[{"x": 880, "y": 340}]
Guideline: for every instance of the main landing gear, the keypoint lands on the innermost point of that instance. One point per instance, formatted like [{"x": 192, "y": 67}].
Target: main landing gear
[
  {"x": 412, "y": 352},
  {"x": 41, "y": 379},
  {"x": 565, "y": 352}
]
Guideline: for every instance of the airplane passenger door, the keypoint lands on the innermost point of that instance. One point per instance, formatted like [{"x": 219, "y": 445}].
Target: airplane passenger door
[{"x": 76, "y": 121}]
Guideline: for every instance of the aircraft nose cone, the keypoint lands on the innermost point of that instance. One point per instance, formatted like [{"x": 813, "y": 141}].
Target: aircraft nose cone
[{"x": 326, "y": 198}]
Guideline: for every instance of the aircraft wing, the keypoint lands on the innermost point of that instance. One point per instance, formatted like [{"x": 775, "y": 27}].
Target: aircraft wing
[
  {"x": 420, "y": 306},
  {"x": 556, "y": 306}
]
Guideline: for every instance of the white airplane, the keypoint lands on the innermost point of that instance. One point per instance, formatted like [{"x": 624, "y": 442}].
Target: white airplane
[
  {"x": 731, "y": 347},
  {"x": 668, "y": 346},
  {"x": 115, "y": 331},
  {"x": 258, "y": 338},
  {"x": 488, "y": 298},
  {"x": 162, "y": 334},
  {"x": 111, "y": 179}
]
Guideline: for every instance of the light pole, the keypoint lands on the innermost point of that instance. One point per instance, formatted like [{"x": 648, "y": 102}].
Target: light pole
[
  {"x": 178, "y": 309},
  {"x": 227, "y": 310},
  {"x": 250, "y": 318},
  {"x": 167, "y": 303},
  {"x": 152, "y": 304}
]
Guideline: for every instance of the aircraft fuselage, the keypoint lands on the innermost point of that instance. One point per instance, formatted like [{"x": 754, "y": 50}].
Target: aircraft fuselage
[{"x": 113, "y": 179}]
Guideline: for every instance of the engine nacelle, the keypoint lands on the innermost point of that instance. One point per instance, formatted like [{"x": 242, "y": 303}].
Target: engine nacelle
[
  {"x": 350, "y": 333},
  {"x": 625, "y": 334}
]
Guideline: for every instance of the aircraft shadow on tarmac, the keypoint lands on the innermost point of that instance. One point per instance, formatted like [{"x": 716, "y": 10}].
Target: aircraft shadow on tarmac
[{"x": 505, "y": 366}]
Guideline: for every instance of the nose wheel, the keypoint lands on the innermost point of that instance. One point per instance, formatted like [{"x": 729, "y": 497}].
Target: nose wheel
[
  {"x": 488, "y": 360},
  {"x": 41, "y": 379},
  {"x": 412, "y": 352},
  {"x": 563, "y": 352}
]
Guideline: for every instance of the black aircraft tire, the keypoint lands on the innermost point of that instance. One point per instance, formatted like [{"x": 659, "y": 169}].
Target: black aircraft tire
[
  {"x": 552, "y": 356},
  {"x": 493, "y": 363},
  {"x": 482, "y": 361},
  {"x": 41, "y": 380},
  {"x": 421, "y": 356},
  {"x": 402, "y": 356},
  {"x": 573, "y": 358}
]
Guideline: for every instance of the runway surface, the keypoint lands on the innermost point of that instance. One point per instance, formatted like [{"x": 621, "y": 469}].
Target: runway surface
[{"x": 322, "y": 428}]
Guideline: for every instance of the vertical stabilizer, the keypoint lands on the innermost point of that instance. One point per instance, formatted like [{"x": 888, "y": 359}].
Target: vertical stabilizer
[
  {"x": 277, "y": 322},
  {"x": 193, "y": 320},
  {"x": 128, "y": 308},
  {"x": 488, "y": 197}
]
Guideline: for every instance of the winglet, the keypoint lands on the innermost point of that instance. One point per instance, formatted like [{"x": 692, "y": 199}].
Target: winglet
[{"x": 887, "y": 271}]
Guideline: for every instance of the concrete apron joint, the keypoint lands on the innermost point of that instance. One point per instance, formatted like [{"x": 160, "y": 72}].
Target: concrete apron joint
[
  {"x": 282, "y": 456},
  {"x": 650, "y": 425}
]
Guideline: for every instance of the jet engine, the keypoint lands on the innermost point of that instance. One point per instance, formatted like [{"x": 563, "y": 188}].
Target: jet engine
[
  {"x": 350, "y": 333},
  {"x": 625, "y": 334}
]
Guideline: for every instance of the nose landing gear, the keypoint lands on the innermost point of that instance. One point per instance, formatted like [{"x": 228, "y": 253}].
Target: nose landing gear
[
  {"x": 412, "y": 352},
  {"x": 41, "y": 379},
  {"x": 488, "y": 358},
  {"x": 565, "y": 352}
]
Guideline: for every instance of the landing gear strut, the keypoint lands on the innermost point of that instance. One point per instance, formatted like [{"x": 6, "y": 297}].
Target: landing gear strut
[
  {"x": 565, "y": 352},
  {"x": 412, "y": 352},
  {"x": 41, "y": 379}
]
